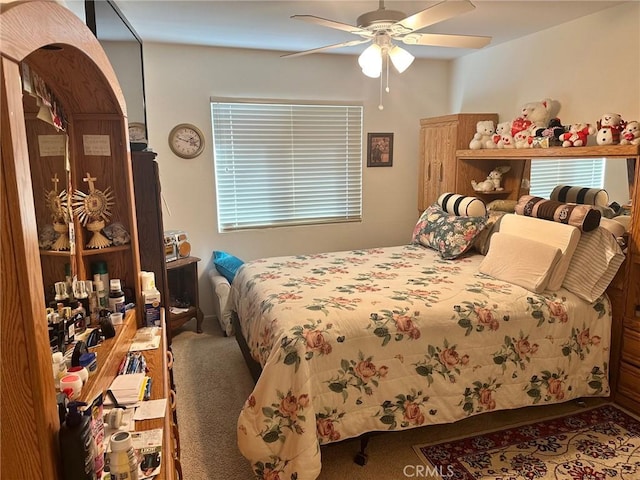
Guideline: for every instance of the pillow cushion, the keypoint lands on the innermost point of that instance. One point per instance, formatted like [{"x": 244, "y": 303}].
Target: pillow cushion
[
  {"x": 616, "y": 228},
  {"x": 450, "y": 235},
  {"x": 501, "y": 205},
  {"x": 483, "y": 239},
  {"x": 564, "y": 237},
  {"x": 584, "y": 195},
  {"x": 520, "y": 261},
  {"x": 594, "y": 264},
  {"x": 456, "y": 204},
  {"x": 226, "y": 264},
  {"x": 584, "y": 217}
]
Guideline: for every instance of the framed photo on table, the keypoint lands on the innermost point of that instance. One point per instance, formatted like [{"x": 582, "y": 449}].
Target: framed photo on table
[{"x": 379, "y": 149}]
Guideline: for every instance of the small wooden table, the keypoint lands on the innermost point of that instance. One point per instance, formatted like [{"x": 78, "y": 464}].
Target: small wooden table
[{"x": 182, "y": 277}]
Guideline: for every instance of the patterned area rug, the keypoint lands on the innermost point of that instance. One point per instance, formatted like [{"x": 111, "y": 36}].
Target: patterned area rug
[{"x": 598, "y": 444}]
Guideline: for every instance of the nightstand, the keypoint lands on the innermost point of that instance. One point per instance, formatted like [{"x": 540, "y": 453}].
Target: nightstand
[{"x": 182, "y": 277}]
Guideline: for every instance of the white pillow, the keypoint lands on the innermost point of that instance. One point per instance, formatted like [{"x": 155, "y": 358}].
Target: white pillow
[
  {"x": 583, "y": 195},
  {"x": 521, "y": 261},
  {"x": 615, "y": 227},
  {"x": 559, "y": 235},
  {"x": 460, "y": 205},
  {"x": 594, "y": 264}
]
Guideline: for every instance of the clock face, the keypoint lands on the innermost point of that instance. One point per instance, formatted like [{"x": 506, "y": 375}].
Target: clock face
[
  {"x": 186, "y": 141},
  {"x": 137, "y": 132}
]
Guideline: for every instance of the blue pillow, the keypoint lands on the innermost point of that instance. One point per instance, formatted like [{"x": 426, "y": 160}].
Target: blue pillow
[{"x": 226, "y": 264}]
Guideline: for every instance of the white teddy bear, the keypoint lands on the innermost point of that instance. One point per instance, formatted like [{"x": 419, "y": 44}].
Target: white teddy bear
[
  {"x": 523, "y": 139},
  {"x": 533, "y": 115},
  {"x": 578, "y": 134},
  {"x": 631, "y": 134},
  {"x": 483, "y": 136},
  {"x": 502, "y": 129},
  {"x": 609, "y": 127}
]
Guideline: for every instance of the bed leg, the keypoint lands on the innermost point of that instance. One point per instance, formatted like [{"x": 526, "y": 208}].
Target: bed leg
[{"x": 361, "y": 457}]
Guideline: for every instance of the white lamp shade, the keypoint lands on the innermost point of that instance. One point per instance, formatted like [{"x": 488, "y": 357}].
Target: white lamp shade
[
  {"x": 400, "y": 58},
  {"x": 371, "y": 61}
]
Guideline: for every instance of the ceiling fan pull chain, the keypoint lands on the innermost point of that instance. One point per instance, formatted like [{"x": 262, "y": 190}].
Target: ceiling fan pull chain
[
  {"x": 386, "y": 57},
  {"x": 380, "y": 106}
]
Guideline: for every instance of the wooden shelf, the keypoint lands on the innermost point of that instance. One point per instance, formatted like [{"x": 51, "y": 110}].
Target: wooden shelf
[
  {"x": 109, "y": 354},
  {"x": 495, "y": 193},
  {"x": 625, "y": 151}
]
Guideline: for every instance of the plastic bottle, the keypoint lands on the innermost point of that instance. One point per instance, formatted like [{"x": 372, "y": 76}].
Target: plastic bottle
[
  {"x": 100, "y": 269},
  {"x": 101, "y": 290},
  {"x": 116, "y": 295},
  {"x": 77, "y": 445},
  {"x": 59, "y": 368},
  {"x": 123, "y": 463}
]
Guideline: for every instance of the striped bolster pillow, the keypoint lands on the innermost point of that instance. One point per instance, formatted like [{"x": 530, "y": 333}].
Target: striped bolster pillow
[
  {"x": 456, "y": 204},
  {"x": 583, "y": 195},
  {"x": 585, "y": 217}
]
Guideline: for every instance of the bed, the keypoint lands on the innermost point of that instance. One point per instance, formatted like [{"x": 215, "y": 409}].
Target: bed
[{"x": 399, "y": 337}]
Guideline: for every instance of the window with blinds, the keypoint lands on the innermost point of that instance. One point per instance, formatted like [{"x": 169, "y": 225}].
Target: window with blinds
[
  {"x": 280, "y": 164},
  {"x": 582, "y": 172}
]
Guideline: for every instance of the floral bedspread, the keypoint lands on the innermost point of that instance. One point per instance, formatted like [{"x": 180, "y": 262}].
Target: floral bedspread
[{"x": 396, "y": 338}]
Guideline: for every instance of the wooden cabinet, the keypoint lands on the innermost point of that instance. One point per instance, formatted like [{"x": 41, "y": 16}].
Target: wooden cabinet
[
  {"x": 183, "y": 292},
  {"x": 440, "y": 137},
  {"x": 624, "y": 291},
  {"x": 49, "y": 40},
  {"x": 146, "y": 184}
]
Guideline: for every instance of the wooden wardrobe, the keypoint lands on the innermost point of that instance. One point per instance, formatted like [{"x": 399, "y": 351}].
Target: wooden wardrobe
[{"x": 45, "y": 38}]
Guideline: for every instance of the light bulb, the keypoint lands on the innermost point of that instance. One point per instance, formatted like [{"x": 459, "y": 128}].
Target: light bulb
[
  {"x": 400, "y": 58},
  {"x": 371, "y": 61}
]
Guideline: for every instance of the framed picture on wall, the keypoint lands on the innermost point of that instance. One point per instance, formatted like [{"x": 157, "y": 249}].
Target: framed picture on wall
[{"x": 380, "y": 150}]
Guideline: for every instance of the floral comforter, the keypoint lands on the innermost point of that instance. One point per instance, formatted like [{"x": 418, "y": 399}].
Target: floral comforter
[{"x": 395, "y": 338}]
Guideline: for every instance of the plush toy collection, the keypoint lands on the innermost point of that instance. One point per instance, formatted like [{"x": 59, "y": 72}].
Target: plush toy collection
[{"x": 535, "y": 127}]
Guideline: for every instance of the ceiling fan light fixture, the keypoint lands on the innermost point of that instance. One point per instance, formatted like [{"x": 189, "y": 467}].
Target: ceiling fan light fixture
[
  {"x": 400, "y": 58},
  {"x": 371, "y": 61}
]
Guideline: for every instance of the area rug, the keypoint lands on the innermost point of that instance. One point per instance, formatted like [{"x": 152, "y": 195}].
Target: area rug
[{"x": 598, "y": 444}]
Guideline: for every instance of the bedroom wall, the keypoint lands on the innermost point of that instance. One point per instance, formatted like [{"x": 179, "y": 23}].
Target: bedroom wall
[
  {"x": 179, "y": 80},
  {"x": 570, "y": 63},
  {"x": 591, "y": 66}
]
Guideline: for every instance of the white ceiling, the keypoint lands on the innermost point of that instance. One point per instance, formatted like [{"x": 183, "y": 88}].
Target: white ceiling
[{"x": 266, "y": 24}]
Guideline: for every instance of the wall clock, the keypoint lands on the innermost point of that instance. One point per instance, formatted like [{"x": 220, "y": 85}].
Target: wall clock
[
  {"x": 137, "y": 132},
  {"x": 186, "y": 140}
]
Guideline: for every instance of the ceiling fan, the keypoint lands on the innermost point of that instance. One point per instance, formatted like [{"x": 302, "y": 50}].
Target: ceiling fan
[{"x": 381, "y": 26}]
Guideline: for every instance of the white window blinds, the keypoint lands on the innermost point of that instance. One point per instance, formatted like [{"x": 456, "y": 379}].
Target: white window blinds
[
  {"x": 582, "y": 172},
  {"x": 286, "y": 164}
]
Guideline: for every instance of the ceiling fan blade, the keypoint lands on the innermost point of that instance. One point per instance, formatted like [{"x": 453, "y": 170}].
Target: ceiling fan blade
[
  {"x": 328, "y": 47},
  {"x": 333, "y": 24},
  {"x": 429, "y": 16},
  {"x": 440, "y": 40}
]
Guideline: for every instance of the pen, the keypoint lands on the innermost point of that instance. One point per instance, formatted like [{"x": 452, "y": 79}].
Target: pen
[{"x": 147, "y": 391}]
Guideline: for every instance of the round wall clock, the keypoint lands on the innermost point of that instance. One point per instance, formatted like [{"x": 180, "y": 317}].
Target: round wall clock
[
  {"x": 137, "y": 132},
  {"x": 186, "y": 140}
]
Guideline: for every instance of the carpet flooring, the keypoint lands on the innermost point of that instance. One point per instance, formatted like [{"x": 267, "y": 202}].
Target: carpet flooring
[
  {"x": 212, "y": 383},
  {"x": 597, "y": 443}
]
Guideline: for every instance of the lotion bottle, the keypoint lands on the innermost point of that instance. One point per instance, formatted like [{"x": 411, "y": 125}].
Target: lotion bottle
[{"x": 77, "y": 445}]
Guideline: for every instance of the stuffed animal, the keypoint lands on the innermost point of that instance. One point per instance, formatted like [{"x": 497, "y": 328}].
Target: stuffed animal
[
  {"x": 501, "y": 129},
  {"x": 485, "y": 129},
  {"x": 533, "y": 115},
  {"x": 631, "y": 134},
  {"x": 552, "y": 132},
  {"x": 492, "y": 182},
  {"x": 577, "y": 135},
  {"x": 609, "y": 127},
  {"x": 523, "y": 139},
  {"x": 506, "y": 141}
]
